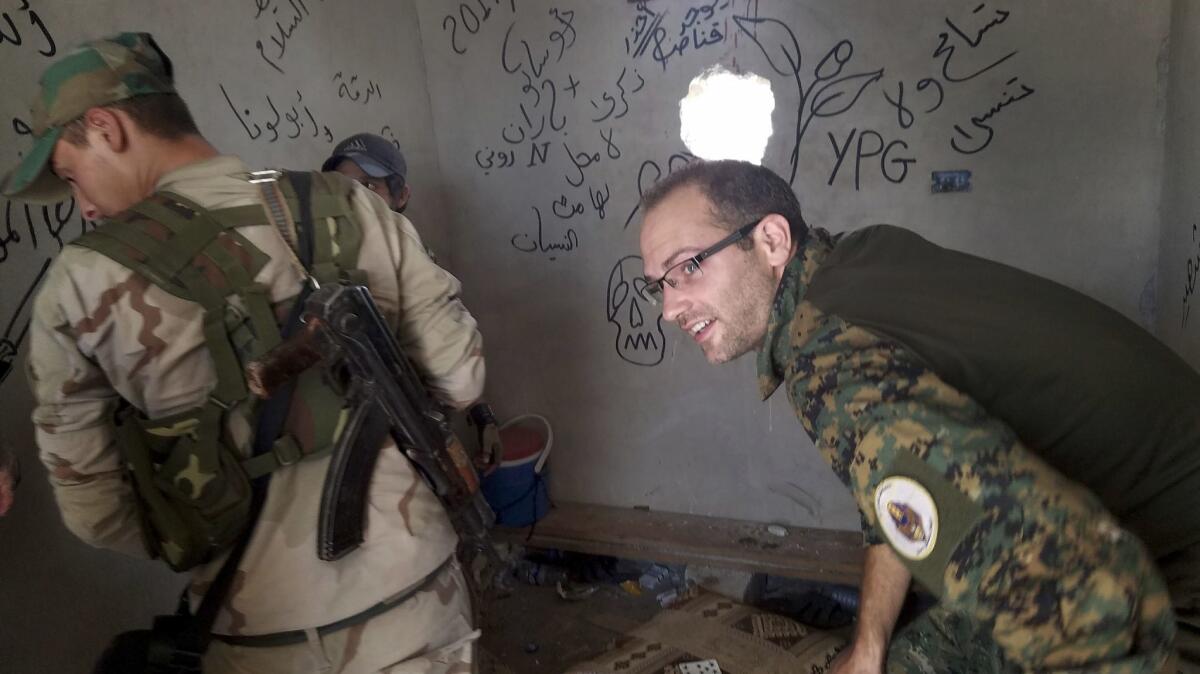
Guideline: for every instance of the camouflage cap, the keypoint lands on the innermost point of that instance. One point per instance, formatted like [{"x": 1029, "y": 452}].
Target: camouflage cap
[{"x": 96, "y": 73}]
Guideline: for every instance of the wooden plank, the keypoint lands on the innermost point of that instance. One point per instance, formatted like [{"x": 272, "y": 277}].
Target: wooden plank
[{"x": 812, "y": 554}]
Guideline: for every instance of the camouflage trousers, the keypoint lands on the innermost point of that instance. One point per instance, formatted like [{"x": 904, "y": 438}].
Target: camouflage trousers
[
  {"x": 941, "y": 640},
  {"x": 1182, "y": 571},
  {"x": 1037, "y": 576},
  {"x": 429, "y": 633}
]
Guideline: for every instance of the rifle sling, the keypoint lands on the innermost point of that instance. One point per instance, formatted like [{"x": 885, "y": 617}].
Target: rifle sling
[{"x": 270, "y": 421}]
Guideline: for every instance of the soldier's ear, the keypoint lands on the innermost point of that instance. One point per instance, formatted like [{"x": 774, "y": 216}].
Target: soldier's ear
[
  {"x": 107, "y": 127},
  {"x": 774, "y": 239},
  {"x": 402, "y": 198}
]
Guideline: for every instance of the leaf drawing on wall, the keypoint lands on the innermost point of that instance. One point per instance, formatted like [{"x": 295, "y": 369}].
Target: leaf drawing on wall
[
  {"x": 830, "y": 93},
  {"x": 833, "y": 98},
  {"x": 835, "y": 59},
  {"x": 775, "y": 39}
]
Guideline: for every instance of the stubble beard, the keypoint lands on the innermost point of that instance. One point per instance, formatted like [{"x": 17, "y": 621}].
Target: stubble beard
[{"x": 744, "y": 309}]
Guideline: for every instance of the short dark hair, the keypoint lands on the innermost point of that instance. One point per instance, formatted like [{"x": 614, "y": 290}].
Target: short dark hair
[
  {"x": 739, "y": 192},
  {"x": 162, "y": 115}
]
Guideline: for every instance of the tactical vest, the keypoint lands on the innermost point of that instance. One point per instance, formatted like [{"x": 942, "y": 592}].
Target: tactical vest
[{"x": 191, "y": 478}]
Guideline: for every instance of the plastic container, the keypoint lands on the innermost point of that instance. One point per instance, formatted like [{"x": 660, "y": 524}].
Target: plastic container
[{"x": 517, "y": 490}]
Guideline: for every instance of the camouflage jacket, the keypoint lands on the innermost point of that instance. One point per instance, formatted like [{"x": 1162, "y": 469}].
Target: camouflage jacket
[
  {"x": 796, "y": 334},
  {"x": 101, "y": 334},
  {"x": 864, "y": 399},
  {"x": 1090, "y": 392},
  {"x": 976, "y": 516}
]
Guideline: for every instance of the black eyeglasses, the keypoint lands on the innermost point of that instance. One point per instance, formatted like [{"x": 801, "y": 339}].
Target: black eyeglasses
[{"x": 687, "y": 270}]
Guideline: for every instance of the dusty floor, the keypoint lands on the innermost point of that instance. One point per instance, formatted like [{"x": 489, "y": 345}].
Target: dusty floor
[{"x": 534, "y": 631}]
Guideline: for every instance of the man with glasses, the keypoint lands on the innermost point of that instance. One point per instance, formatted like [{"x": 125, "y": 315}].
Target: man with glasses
[{"x": 960, "y": 401}]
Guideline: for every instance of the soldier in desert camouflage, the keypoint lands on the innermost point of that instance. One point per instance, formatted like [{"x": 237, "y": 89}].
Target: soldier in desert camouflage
[
  {"x": 988, "y": 423},
  {"x": 111, "y": 128}
]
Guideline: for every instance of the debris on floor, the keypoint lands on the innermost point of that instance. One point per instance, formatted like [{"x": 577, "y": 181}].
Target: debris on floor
[
  {"x": 698, "y": 667},
  {"x": 712, "y": 628},
  {"x": 576, "y": 613}
]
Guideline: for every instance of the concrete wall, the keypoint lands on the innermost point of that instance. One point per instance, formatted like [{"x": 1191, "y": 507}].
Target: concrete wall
[{"x": 1179, "y": 256}]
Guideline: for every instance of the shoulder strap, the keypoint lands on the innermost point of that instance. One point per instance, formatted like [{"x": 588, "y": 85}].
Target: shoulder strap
[
  {"x": 179, "y": 247},
  {"x": 336, "y": 236},
  {"x": 271, "y": 419},
  {"x": 348, "y": 241}
]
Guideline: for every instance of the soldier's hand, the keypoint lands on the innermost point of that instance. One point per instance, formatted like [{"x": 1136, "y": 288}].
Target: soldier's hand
[
  {"x": 491, "y": 448},
  {"x": 855, "y": 661}
]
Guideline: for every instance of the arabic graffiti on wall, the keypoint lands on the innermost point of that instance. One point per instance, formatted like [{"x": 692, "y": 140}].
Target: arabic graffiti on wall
[
  {"x": 1191, "y": 276},
  {"x": 27, "y": 25},
  {"x": 570, "y": 131},
  {"x": 294, "y": 122},
  {"x": 834, "y": 86},
  {"x": 18, "y": 325},
  {"x": 281, "y": 27}
]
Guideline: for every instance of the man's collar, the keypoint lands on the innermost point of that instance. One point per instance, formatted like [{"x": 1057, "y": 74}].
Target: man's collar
[
  {"x": 221, "y": 165},
  {"x": 774, "y": 356}
]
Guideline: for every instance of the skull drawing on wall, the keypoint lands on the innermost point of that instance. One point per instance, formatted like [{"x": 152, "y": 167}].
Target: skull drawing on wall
[
  {"x": 8, "y": 353},
  {"x": 640, "y": 339}
]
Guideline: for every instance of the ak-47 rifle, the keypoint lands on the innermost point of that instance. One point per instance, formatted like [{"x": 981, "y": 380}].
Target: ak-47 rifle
[{"x": 344, "y": 331}]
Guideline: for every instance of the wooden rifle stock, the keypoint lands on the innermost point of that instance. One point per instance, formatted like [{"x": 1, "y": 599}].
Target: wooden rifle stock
[
  {"x": 286, "y": 361},
  {"x": 344, "y": 331}
]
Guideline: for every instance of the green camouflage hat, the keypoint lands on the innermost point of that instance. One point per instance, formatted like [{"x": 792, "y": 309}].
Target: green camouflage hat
[{"x": 96, "y": 73}]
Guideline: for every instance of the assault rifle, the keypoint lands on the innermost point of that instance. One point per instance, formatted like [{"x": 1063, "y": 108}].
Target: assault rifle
[{"x": 344, "y": 331}]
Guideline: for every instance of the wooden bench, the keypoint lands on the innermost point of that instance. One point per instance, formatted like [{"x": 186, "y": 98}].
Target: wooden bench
[{"x": 812, "y": 554}]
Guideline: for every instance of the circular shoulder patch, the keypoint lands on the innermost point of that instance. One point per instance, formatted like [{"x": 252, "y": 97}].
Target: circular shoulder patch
[{"x": 907, "y": 516}]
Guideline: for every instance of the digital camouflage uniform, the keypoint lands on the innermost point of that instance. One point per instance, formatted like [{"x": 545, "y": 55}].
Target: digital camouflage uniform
[
  {"x": 1030, "y": 569},
  {"x": 102, "y": 334}
]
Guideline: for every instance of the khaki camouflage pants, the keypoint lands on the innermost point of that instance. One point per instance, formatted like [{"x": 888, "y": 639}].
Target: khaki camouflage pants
[{"x": 430, "y": 633}]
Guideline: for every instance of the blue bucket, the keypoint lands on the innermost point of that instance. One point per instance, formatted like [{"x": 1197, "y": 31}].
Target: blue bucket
[{"x": 517, "y": 490}]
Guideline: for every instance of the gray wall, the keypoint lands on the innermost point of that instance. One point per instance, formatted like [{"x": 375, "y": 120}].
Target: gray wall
[
  {"x": 1070, "y": 186},
  {"x": 1179, "y": 265}
]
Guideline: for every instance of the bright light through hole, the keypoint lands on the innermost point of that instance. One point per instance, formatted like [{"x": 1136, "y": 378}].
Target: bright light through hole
[{"x": 727, "y": 116}]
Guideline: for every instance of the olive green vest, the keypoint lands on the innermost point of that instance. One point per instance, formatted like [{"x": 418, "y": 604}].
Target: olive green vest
[
  {"x": 1085, "y": 388},
  {"x": 192, "y": 482}
]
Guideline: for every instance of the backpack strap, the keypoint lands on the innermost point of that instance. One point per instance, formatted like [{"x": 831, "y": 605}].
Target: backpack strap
[
  {"x": 216, "y": 267},
  {"x": 336, "y": 236},
  {"x": 180, "y": 248},
  {"x": 197, "y": 255}
]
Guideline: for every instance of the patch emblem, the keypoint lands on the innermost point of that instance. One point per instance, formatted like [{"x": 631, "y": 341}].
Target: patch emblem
[{"x": 907, "y": 516}]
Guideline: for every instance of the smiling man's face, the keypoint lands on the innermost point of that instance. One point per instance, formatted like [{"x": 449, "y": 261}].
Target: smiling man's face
[{"x": 724, "y": 302}]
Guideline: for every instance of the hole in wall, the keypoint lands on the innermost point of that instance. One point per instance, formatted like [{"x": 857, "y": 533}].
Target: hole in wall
[{"x": 727, "y": 115}]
